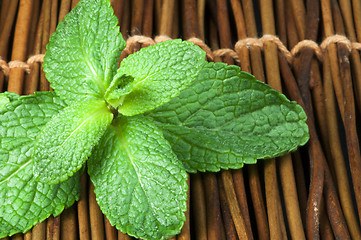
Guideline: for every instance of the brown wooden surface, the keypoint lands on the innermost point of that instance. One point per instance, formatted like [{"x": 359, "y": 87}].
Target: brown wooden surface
[{"x": 314, "y": 193}]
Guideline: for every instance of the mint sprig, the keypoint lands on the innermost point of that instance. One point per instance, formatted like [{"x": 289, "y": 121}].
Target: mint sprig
[{"x": 163, "y": 112}]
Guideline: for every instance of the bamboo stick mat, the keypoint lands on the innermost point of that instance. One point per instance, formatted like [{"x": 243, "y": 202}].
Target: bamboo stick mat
[{"x": 313, "y": 193}]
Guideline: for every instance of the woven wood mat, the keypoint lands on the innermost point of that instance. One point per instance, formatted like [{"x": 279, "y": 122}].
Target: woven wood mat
[{"x": 307, "y": 49}]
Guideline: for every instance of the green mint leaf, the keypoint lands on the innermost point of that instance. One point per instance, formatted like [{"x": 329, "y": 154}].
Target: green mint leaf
[
  {"x": 23, "y": 201},
  {"x": 82, "y": 55},
  {"x": 160, "y": 72},
  {"x": 139, "y": 183},
  {"x": 7, "y": 97},
  {"x": 119, "y": 87},
  {"x": 66, "y": 141},
  {"x": 227, "y": 118}
]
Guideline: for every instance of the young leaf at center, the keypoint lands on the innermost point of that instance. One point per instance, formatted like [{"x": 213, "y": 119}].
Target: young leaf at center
[
  {"x": 67, "y": 140},
  {"x": 139, "y": 183},
  {"x": 160, "y": 73},
  {"x": 119, "y": 87}
]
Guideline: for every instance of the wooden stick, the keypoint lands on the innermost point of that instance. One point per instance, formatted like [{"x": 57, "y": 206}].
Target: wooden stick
[
  {"x": 325, "y": 226},
  {"x": 319, "y": 102},
  {"x": 198, "y": 207},
  {"x": 243, "y": 53},
  {"x": 185, "y": 233},
  {"x": 69, "y": 226},
  {"x": 2, "y": 80},
  {"x": 290, "y": 197},
  {"x": 39, "y": 231},
  {"x": 32, "y": 80},
  {"x": 53, "y": 228},
  {"x": 201, "y": 4},
  {"x": 20, "y": 45},
  {"x": 281, "y": 21},
  {"x": 212, "y": 18},
  {"x": 176, "y": 19},
  {"x": 329, "y": 31},
  {"x": 228, "y": 224},
  {"x": 356, "y": 6},
  {"x": 240, "y": 190},
  {"x": 317, "y": 168},
  {"x": 110, "y": 231},
  {"x": 122, "y": 236},
  {"x": 33, "y": 27},
  {"x": 64, "y": 9},
  {"x": 300, "y": 183},
  {"x": 292, "y": 34},
  {"x": 7, "y": 16},
  {"x": 158, "y": 15},
  {"x": 53, "y": 17},
  {"x": 214, "y": 222},
  {"x": 282, "y": 219},
  {"x": 148, "y": 18},
  {"x": 224, "y": 28},
  {"x": 190, "y": 27},
  {"x": 243, "y": 231},
  {"x": 136, "y": 21},
  {"x": 7, "y": 27},
  {"x": 96, "y": 216},
  {"x": 271, "y": 199},
  {"x": 18, "y": 236},
  {"x": 137, "y": 16},
  {"x": 299, "y": 14},
  {"x": 258, "y": 203},
  {"x": 28, "y": 235},
  {"x": 337, "y": 220},
  {"x": 4, "y": 9},
  {"x": 83, "y": 211},
  {"x": 44, "y": 84},
  {"x": 239, "y": 19},
  {"x": 117, "y": 6},
  {"x": 74, "y": 3},
  {"x": 167, "y": 18},
  {"x": 125, "y": 23}
]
